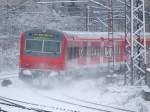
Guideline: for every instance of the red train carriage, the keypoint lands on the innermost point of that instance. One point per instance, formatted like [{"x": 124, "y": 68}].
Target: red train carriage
[
  {"x": 42, "y": 52},
  {"x": 93, "y": 49}
]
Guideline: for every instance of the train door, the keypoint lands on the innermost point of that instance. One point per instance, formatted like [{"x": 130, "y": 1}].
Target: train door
[
  {"x": 72, "y": 54},
  {"x": 117, "y": 50},
  {"x": 83, "y": 52},
  {"x": 95, "y": 53},
  {"x": 148, "y": 51},
  {"x": 89, "y": 53},
  {"x": 108, "y": 52},
  {"x": 122, "y": 53}
]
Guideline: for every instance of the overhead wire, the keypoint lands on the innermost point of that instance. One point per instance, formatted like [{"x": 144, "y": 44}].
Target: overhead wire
[{"x": 21, "y": 4}]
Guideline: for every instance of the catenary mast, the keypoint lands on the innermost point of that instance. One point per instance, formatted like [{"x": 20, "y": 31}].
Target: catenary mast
[{"x": 135, "y": 41}]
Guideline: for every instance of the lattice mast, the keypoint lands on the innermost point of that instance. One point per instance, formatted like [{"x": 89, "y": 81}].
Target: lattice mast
[
  {"x": 135, "y": 41},
  {"x": 128, "y": 41},
  {"x": 110, "y": 34}
]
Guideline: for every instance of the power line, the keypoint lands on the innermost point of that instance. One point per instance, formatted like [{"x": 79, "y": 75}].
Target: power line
[{"x": 21, "y": 4}]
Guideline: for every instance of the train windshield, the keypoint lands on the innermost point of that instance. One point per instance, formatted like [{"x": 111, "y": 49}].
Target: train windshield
[
  {"x": 42, "y": 47},
  {"x": 51, "y": 46},
  {"x": 33, "y": 45}
]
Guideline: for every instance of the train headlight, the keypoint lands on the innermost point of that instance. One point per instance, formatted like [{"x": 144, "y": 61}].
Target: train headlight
[
  {"x": 52, "y": 74},
  {"x": 27, "y": 72}
]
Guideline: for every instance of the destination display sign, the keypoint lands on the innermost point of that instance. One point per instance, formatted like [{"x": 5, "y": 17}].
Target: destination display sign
[{"x": 42, "y": 36}]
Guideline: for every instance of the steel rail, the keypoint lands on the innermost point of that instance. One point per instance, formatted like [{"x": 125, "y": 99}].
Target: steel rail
[
  {"x": 39, "y": 105},
  {"x": 80, "y": 105},
  {"x": 2, "y": 110},
  {"x": 7, "y": 76},
  {"x": 10, "y": 103},
  {"x": 85, "y": 101}
]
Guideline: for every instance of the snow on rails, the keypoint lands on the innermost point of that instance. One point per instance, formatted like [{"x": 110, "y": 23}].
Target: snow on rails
[{"x": 43, "y": 108}]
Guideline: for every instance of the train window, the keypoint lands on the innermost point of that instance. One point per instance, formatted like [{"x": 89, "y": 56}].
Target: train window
[
  {"x": 76, "y": 52},
  {"x": 108, "y": 51},
  {"x": 147, "y": 47},
  {"x": 51, "y": 46},
  {"x": 101, "y": 51},
  {"x": 42, "y": 48},
  {"x": 72, "y": 53},
  {"x": 95, "y": 51},
  {"x": 116, "y": 49},
  {"x": 62, "y": 4},
  {"x": 69, "y": 53},
  {"x": 83, "y": 51},
  {"x": 33, "y": 45}
]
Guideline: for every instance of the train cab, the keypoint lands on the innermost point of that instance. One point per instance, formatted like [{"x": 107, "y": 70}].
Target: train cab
[{"x": 42, "y": 51}]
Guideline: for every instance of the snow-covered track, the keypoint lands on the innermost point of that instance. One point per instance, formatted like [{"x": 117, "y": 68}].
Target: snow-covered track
[
  {"x": 6, "y": 102},
  {"x": 2, "y": 110},
  {"x": 8, "y": 76},
  {"x": 98, "y": 104},
  {"x": 101, "y": 107},
  {"x": 13, "y": 101}
]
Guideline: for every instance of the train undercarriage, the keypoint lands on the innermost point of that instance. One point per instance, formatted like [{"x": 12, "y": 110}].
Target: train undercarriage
[{"x": 48, "y": 78}]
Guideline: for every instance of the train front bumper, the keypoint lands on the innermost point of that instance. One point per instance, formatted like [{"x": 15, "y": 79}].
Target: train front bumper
[{"x": 31, "y": 74}]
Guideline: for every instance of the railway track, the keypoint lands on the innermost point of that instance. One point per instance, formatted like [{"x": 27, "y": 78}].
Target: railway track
[
  {"x": 78, "y": 103},
  {"x": 96, "y": 107},
  {"x": 41, "y": 108},
  {"x": 98, "y": 104},
  {"x": 32, "y": 106},
  {"x": 6, "y": 102},
  {"x": 8, "y": 76}
]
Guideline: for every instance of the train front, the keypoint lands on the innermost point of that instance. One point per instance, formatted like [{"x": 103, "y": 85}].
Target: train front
[{"x": 41, "y": 52}]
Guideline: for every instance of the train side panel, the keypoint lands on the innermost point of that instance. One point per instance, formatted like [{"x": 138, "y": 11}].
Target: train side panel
[{"x": 84, "y": 52}]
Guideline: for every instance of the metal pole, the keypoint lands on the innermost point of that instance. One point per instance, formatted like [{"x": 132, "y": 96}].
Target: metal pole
[
  {"x": 110, "y": 32},
  {"x": 86, "y": 21},
  {"x": 128, "y": 59},
  {"x": 136, "y": 45},
  {"x": 88, "y": 18},
  {"x": 125, "y": 75},
  {"x": 132, "y": 72}
]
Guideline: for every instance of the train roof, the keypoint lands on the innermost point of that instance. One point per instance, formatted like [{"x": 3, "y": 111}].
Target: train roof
[
  {"x": 96, "y": 34},
  {"x": 81, "y": 34},
  {"x": 38, "y": 30},
  {"x": 92, "y": 34}
]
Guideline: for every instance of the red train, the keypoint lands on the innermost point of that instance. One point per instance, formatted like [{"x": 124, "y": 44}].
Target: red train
[{"x": 42, "y": 52}]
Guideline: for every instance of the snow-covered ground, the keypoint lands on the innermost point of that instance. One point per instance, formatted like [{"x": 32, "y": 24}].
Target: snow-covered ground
[{"x": 82, "y": 95}]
